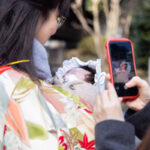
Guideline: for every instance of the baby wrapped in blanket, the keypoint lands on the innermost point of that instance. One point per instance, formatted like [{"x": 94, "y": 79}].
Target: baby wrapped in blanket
[{"x": 84, "y": 79}]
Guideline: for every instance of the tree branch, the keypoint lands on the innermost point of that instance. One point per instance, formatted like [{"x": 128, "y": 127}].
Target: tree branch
[
  {"x": 106, "y": 8},
  {"x": 81, "y": 18},
  {"x": 113, "y": 19}
]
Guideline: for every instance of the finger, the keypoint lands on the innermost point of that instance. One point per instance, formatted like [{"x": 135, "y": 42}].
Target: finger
[
  {"x": 104, "y": 97},
  {"x": 131, "y": 105},
  {"x": 101, "y": 102},
  {"x": 98, "y": 101},
  {"x": 108, "y": 77},
  {"x": 136, "y": 81},
  {"x": 111, "y": 92},
  {"x": 120, "y": 99}
]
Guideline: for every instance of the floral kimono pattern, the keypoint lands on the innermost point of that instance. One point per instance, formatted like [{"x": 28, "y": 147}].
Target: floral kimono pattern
[{"x": 42, "y": 117}]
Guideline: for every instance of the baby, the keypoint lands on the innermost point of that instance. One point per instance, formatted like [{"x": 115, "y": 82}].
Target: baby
[
  {"x": 84, "y": 79},
  {"x": 83, "y": 73},
  {"x": 122, "y": 73}
]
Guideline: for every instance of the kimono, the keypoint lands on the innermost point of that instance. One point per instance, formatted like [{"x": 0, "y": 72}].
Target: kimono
[{"x": 42, "y": 117}]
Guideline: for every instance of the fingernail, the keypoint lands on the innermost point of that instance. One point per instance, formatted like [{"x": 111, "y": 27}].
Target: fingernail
[
  {"x": 109, "y": 84},
  {"x": 127, "y": 84},
  {"x": 121, "y": 99}
]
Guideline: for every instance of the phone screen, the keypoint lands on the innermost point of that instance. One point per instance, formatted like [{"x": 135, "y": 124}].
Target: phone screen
[{"x": 122, "y": 67}]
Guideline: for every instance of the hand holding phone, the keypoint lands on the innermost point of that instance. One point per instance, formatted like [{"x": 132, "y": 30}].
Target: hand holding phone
[
  {"x": 108, "y": 106},
  {"x": 120, "y": 56},
  {"x": 144, "y": 94}
]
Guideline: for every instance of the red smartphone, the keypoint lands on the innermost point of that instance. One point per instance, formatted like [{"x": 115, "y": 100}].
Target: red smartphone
[{"x": 122, "y": 68}]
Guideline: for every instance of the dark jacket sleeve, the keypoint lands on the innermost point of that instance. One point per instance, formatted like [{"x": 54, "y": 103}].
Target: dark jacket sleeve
[
  {"x": 140, "y": 120},
  {"x": 114, "y": 135}
]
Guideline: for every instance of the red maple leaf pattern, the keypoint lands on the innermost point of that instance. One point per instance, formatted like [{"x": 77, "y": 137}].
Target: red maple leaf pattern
[
  {"x": 62, "y": 143},
  {"x": 87, "y": 145}
]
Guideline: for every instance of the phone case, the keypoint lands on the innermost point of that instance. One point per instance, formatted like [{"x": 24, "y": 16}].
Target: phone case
[{"x": 110, "y": 66}]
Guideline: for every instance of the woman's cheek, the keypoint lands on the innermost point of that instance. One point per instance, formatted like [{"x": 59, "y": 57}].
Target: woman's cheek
[{"x": 54, "y": 28}]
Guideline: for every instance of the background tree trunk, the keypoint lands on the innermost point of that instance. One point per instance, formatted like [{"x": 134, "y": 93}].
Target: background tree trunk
[
  {"x": 97, "y": 29},
  {"x": 149, "y": 70},
  {"x": 112, "y": 21}
]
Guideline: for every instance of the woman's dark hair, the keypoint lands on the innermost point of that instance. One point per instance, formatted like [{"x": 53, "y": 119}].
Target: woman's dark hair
[
  {"x": 145, "y": 145},
  {"x": 18, "y": 23}
]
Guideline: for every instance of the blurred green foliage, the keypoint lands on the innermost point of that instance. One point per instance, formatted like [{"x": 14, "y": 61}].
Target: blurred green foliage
[
  {"x": 140, "y": 33},
  {"x": 87, "y": 46},
  {"x": 88, "y": 5}
]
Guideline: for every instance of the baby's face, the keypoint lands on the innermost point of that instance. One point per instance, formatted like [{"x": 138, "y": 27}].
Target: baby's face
[
  {"x": 77, "y": 73},
  {"x": 123, "y": 67}
]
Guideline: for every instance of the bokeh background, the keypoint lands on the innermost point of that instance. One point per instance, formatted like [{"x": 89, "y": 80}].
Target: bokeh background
[{"x": 91, "y": 22}]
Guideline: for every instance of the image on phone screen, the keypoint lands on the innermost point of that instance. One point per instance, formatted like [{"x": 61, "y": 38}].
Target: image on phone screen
[{"x": 122, "y": 67}]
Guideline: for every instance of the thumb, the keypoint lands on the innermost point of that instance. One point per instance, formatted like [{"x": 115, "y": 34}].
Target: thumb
[{"x": 135, "y": 81}]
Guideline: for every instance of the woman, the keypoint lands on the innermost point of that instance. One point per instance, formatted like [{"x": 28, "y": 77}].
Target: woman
[{"x": 35, "y": 115}]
